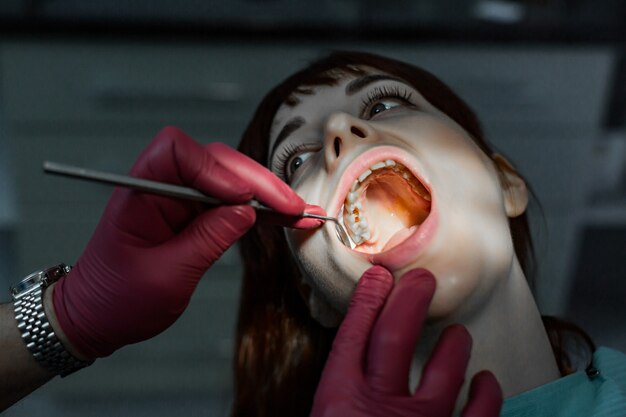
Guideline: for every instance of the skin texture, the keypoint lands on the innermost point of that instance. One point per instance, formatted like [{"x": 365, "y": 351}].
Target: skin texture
[
  {"x": 479, "y": 281},
  {"x": 20, "y": 373}
]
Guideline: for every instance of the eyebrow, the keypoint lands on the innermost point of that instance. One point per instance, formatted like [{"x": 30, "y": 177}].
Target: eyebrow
[
  {"x": 352, "y": 88},
  {"x": 357, "y": 85},
  {"x": 291, "y": 126}
]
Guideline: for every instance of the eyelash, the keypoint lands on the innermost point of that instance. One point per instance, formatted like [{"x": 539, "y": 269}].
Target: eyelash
[
  {"x": 378, "y": 93},
  {"x": 285, "y": 155}
]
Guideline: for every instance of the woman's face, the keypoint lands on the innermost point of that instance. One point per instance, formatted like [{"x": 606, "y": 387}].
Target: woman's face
[{"x": 410, "y": 185}]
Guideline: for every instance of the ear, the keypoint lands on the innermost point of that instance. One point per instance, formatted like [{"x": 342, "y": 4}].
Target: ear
[{"x": 513, "y": 187}]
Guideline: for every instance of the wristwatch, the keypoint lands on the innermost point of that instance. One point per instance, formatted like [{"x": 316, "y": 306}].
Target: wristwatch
[{"x": 34, "y": 326}]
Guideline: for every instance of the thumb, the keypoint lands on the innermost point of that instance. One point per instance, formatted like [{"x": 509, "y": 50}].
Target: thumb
[
  {"x": 485, "y": 396},
  {"x": 351, "y": 343},
  {"x": 205, "y": 239}
]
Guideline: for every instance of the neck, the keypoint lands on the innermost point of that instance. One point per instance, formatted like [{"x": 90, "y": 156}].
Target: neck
[{"x": 509, "y": 339}]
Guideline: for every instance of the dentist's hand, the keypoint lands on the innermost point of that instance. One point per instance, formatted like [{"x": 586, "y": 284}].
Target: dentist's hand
[
  {"x": 146, "y": 256},
  {"x": 368, "y": 367}
]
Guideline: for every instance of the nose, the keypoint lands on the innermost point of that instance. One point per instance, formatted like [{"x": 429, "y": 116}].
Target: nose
[{"x": 342, "y": 133}]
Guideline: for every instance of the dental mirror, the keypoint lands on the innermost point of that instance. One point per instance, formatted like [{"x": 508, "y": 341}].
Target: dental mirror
[
  {"x": 166, "y": 189},
  {"x": 341, "y": 234}
]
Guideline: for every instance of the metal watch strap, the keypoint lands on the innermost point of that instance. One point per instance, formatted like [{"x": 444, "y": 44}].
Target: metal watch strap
[{"x": 39, "y": 336}]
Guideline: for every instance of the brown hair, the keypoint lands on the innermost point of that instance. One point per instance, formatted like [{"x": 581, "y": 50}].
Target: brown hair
[{"x": 280, "y": 349}]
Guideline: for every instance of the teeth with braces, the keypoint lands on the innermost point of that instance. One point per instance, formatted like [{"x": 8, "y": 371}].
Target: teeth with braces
[{"x": 353, "y": 220}]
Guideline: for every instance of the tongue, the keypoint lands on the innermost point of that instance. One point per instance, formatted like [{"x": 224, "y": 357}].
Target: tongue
[{"x": 399, "y": 237}]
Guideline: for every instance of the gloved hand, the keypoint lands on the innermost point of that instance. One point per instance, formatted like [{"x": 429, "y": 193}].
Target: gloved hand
[
  {"x": 367, "y": 370},
  {"x": 147, "y": 254}
]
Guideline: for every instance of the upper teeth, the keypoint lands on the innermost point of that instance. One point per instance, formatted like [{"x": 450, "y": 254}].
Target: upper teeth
[
  {"x": 364, "y": 175},
  {"x": 358, "y": 228}
]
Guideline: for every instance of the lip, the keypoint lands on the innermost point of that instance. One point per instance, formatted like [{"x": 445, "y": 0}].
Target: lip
[{"x": 402, "y": 254}]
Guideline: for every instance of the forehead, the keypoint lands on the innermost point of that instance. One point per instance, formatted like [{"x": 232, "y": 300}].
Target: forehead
[
  {"x": 312, "y": 100},
  {"x": 307, "y": 97}
]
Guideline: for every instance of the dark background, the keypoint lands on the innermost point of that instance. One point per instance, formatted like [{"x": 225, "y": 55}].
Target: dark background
[{"x": 90, "y": 83}]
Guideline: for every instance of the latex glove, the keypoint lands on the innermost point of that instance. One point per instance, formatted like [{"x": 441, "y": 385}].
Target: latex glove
[
  {"x": 147, "y": 254},
  {"x": 367, "y": 370}
]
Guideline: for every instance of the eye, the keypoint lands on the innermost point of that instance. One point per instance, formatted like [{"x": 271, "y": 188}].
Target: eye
[
  {"x": 382, "y": 106},
  {"x": 384, "y": 98},
  {"x": 291, "y": 158},
  {"x": 296, "y": 162}
]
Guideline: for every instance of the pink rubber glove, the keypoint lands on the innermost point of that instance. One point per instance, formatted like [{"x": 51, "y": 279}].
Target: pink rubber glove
[
  {"x": 368, "y": 367},
  {"x": 139, "y": 270}
]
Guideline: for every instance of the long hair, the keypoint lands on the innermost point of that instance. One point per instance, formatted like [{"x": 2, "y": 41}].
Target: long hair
[{"x": 280, "y": 349}]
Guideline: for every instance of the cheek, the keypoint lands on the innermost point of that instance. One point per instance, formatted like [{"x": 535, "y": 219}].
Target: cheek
[
  {"x": 470, "y": 268},
  {"x": 473, "y": 250},
  {"x": 311, "y": 185},
  {"x": 471, "y": 253},
  {"x": 331, "y": 277}
]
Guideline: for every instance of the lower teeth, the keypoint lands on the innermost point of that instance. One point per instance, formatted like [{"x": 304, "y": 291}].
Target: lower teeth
[{"x": 356, "y": 224}]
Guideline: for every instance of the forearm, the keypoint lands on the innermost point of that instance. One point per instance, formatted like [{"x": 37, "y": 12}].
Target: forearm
[{"x": 20, "y": 373}]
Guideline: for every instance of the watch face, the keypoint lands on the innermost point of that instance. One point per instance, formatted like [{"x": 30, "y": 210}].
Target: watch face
[
  {"x": 39, "y": 279},
  {"x": 30, "y": 282}
]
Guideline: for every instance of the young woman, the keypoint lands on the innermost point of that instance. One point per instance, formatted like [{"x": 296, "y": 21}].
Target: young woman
[{"x": 401, "y": 160}]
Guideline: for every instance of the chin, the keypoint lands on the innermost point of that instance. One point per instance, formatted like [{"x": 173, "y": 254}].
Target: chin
[{"x": 467, "y": 276}]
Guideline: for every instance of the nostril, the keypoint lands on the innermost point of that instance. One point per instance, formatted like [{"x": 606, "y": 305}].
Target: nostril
[
  {"x": 356, "y": 131},
  {"x": 337, "y": 146}
]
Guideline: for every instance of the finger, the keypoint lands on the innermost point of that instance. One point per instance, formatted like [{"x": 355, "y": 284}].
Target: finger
[
  {"x": 175, "y": 158},
  {"x": 444, "y": 372},
  {"x": 172, "y": 157},
  {"x": 294, "y": 222},
  {"x": 348, "y": 352},
  {"x": 208, "y": 236},
  {"x": 262, "y": 183},
  {"x": 392, "y": 343},
  {"x": 215, "y": 169},
  {"x": 485, "y": 396}
]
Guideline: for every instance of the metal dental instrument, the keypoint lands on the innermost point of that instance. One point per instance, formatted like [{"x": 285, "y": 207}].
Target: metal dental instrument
[{"x": 170, "y": 190}]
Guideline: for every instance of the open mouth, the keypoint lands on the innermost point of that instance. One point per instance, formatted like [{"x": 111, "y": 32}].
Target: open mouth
[{"x": 383, "y": 207}]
